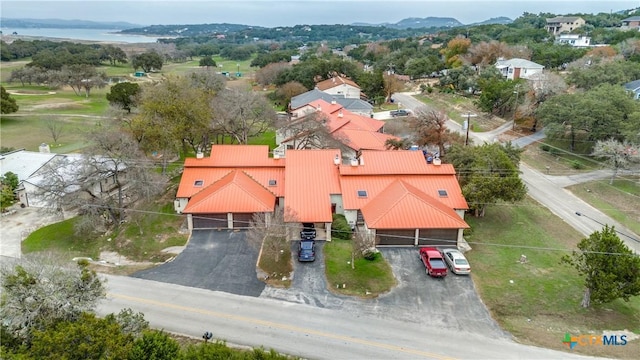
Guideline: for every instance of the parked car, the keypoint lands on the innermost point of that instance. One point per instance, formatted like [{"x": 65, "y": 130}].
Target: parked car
[
  {"x": 433, "y": 262},
  {"x": 456, "y": 261},
  {"x": 308, "y": 231},
  {"x": 400, "y": 112},
  {"x": 307, "y": 250}
]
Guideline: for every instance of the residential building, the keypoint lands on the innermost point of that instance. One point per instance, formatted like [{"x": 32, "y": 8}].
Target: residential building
[
  {"x": 631, "y": 23},
  {"x": 355, "y": 132},
  {"x": 564, "y": 24},
  {"x": 395, "y": 195},
  {"x": 575, "y": 40},
  {"x": 354, "y": 105},
  {"x": 633, "y": 87},
  {"x": 339, "y": 85},
  {"x": 518, "y": 68}
]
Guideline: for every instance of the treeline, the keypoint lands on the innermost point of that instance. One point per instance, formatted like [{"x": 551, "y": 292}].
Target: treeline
[{"x": 53, "y": 55}]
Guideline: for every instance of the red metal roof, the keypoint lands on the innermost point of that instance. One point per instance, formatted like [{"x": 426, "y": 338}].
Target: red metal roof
[
  {"x": 312, "y": 177},
  {"x": 375, "y": 185},
  {"x": 363, "y": 139},
  {"x": 235, "y": 192},
  {"x": 396, "y": 162},
  {"x": 208, "y": 176},
  {"x": 403, "y": 206},
  {"x": 236, "y": 156}
]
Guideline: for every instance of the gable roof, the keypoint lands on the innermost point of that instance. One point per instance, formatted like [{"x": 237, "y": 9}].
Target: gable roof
[
  {"x": 403, "y": 206},
  {"x": 335, "y": 81},
  {"x": 632, "y": 85},
  {"x": 396, "y": 162},
  {"x": 208, "y": 176},
  {"x": 518, "y": 63},
  {"x": 315, "y": 94},
  {"x": 563, "y": 19},
  {"x": 312, "y": 177},
  {"x": 632, "y": 18},
  {"x": 234, "y": 192}
]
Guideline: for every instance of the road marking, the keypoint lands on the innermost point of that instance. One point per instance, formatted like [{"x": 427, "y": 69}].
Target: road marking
[{"x": 282, "y": 326}]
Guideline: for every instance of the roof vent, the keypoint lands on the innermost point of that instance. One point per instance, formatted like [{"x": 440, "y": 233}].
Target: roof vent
[
  {"x": 340, "y": 114},
  {"x": 199, "y": 155},
  {"x": 336, "y": 160},
  {"x": 333, "y": 101},
  {"x": 272, "y": 182},
  {"x": 361, "y": 160},
  {"x": 319, "y": 108},
  {"x": 362, "y": 193},
  {"x": 437, "y": 161},
  {"x": 354, "y": 162}
]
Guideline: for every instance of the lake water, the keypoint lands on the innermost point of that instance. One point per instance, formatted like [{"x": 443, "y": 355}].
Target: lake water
[{"x": 81, "y": 34}]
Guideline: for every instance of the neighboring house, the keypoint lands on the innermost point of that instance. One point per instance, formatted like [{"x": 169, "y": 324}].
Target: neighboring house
[
  {"x": 33, "y": 170},
  {"x": 633, "y": 87},
  {"x": 631, "y": 23},
  {"x": 355, "y": 132},
  {"x": 357, "y": 106},
  {"x": 564, "y": 24},
  {"x": 518, "y": 68},
  {"x": 394, "y": 195},
  {"x": 575, "y": 40},
  {"x": 339, "y": 85}
]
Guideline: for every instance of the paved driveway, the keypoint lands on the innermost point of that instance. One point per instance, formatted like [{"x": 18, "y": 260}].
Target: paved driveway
[
  {"x": 450, "y": 303},
  {"x": 213, "y": 260}
]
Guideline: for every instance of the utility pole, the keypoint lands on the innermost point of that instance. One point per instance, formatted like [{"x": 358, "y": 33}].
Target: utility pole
[
  {"x": 515, "y": 108},
  {"x": 467, "y": 125}
]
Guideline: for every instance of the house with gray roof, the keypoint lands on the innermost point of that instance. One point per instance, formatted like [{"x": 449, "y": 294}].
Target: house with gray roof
[
  {"x": 564, "y": 24},
  {"x": 517, "y": 68},
  {"x": 631, "y": 23},
  {"x": 633, "y": 87},
  {"x": 357, "y": 106}
]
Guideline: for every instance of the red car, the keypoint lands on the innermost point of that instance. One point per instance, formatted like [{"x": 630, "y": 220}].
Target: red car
[{"x": 433, "y": 262}]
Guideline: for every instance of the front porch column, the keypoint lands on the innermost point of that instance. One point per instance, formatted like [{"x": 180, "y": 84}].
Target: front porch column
[
  {"x": 327, "y": 230},
  {"x": 416, "y": 238},
  {"x": 190, "y": 222},
  {"x": 230, "y": 220}
]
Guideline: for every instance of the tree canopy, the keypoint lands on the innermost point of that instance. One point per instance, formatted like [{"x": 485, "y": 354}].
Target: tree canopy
[
  {"x": 610, "y": 269},
  {"x": 8, "y": 104},
  {"x": 124, "y": 94}
]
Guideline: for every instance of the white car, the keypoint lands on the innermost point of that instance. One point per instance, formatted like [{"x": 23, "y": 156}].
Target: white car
[{"x": 456, "y": 261}]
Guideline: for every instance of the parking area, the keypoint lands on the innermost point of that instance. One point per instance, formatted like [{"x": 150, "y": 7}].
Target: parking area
[
  {"x": 451, "y": 302},
  {"x": 215, "y": 260}
]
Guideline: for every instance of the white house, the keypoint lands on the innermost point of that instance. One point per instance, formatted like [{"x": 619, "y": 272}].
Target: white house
[
  {"x": 338, "y": 85},
  {"x": 517, "y": 68},
  {"x": 575, "y": 40}
]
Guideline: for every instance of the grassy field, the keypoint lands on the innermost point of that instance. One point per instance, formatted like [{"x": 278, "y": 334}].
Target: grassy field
[
  {"x": 368, "y": 279},
  {"x": 539, "y": 301},
  {"x": 457, "y": 107}
]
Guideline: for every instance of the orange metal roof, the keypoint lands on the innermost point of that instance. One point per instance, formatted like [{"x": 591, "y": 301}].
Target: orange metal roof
[
  {"x": 311, "y": 177},
  {"x": 335, "y": 81},
  {"x": 374, "y": 185},
  {"x": 396, "y": 162},
  {"x": 208, "y": 176},
  {"x": 235, "y": 192},
  {"x": 362, "y": 139},
  {"x": 236, "y": 156},
  {"x": 403, "y": 206}
]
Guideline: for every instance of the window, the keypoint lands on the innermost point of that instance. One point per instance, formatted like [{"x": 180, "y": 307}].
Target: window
[
  {"x": 362, "y": 193},
  {"x": 442, "y": 193},
  {"x": 272, "y": 182},
  {"x": 198, "y": 183}
]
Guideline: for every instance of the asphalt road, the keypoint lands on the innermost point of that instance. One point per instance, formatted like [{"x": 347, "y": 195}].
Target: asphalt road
[{"x": 302, "y": 330}]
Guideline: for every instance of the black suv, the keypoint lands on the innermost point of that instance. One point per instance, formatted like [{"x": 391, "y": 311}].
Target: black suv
[
  {"x": 308, "y": 231},
  {"x": 400, "y": 112},
  {"x": 307, "y": 250}
]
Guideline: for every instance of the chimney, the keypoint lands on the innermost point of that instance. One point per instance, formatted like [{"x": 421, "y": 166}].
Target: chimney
[
  {"x": 319, "y": 108},
  {"x": 333, "y": 101},
  {"x": 361, "y": 160},
  {"x": 340, "y": 114},
  {"x": 336, "y": 160},
  {"x": 354, "y": 162},
  {"x": 199, "y": 155},
  {"x": 437, "y": 161}
]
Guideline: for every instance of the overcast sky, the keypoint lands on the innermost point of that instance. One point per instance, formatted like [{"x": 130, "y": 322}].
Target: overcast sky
[{"x": 272, "y": 13}]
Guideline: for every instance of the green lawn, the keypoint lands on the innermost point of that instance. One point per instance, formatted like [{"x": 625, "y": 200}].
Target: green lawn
[
  {"x": 539, "y": 300},
  {"x": 368, "y": 279},
  {"x": 61, "y": 238}
]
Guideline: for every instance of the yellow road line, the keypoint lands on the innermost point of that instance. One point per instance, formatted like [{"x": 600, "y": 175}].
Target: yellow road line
[{"x": 283, "y": 327}]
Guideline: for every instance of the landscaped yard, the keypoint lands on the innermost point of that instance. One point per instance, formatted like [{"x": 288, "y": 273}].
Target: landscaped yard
[{"x": 538, "y": 301}]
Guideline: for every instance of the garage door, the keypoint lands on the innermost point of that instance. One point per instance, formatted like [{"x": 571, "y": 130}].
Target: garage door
[
  {"x": 242, "y": 220},
  {"x": 394, "y": 237},
  {"x": 438, "y": 237},
  {"x": 210, "y": 221}
]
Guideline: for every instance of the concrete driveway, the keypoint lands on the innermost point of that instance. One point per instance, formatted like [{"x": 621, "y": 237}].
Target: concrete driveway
[
  {"x": 450, "y": 303},
  {"x": 214, "y": 260},
  {"x": 18, "y": 223}
]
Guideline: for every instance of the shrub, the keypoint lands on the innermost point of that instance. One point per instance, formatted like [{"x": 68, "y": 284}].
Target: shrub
[
  {"x": 340, "y": 229},
  {"x": 545, "y": 147},
  {"x": 577, "y": 165},
  {"x": 555, "y": 152}
]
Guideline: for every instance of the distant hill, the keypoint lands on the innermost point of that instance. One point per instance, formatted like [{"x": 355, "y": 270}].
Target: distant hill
[
  {"x": 497, "y": 20},
  {"x": 64, "y": 24},
  {"x": 418, "y": 23}
]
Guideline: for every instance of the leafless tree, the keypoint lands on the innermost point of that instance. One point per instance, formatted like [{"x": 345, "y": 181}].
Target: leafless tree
[
  {"x": 55, "y": 128},
  {"x": 242, "y": 114},
  {"x": 363, "y": 245},
  {"x": 268, "y": 74},
  {"x": 430, "y": 128},
  {"x": 616, "y": 154},
  {"x": 40, "y": 290},
  {"x": 269, "y": 231},
  {"x": 311, "y": 132},
  {"x": 101, "y": 183}
]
